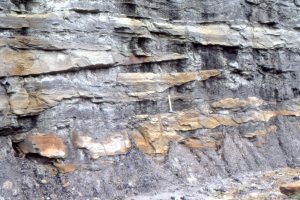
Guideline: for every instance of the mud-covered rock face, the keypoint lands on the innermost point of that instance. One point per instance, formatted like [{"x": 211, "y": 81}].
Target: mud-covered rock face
[{"x": 112, "y": 99}]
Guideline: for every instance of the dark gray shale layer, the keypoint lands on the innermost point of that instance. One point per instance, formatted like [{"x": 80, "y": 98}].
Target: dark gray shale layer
[{"x": 100, "y": 69}]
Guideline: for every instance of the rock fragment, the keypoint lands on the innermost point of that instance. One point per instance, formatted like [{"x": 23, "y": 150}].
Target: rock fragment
[
  {"x": 46, "y": 145},
  {"x": 65, "y": 168},
  {"x": 117, "y": 144},
  {"x": 23, "y": 63},
  {"x": 7, "y": 185},
  {"x": 290, "y": 188},
  {"x": 203, "y": 143},
  {"x": 260, "y": 133}
]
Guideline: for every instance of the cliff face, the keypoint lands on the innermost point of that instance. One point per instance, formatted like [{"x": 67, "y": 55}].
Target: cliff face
[{"x": 112, "y": 99}]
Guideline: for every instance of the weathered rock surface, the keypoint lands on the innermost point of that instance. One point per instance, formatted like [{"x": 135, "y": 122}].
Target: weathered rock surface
[
  {"x": 118, "y": 144},
  {"x": 147, "y": 97},
  {"x": 47, "y": 145}
]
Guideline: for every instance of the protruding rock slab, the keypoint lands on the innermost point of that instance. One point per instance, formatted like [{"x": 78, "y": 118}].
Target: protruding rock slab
[
  {"x": 144, "y": 84},
  {"x": 231, "y": 103},
  {"x": 46, "y": 145},
  {"x": 117, "y": 144},
  {"x": 28, "y": 103},
  {"x": 163, "y": 57},
  {"x": 22, "y": 63},
  {"x": 167, "y": 78},
  {"x": 290, "y": 188}
]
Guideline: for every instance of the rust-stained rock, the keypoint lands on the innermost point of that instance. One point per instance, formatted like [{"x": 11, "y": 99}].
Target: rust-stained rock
[
  {"x": 117, "y": 144},
  {"x": 155, "y": 132},
  {"x": 161, "y": 129},
  {"x": 290, "y": 188},
  {"x": 185, "y": 121},
  {"x": 262, "y": 132},
  {"x": 229, "y": 103},
  {"x": 145, "y": 146},
  {"x": 160, "y": 144},
  {"x": 207, "y": 74},
  {"x": 22, "y": 63},
  {"x": 46, "y": 145},
  {"x": 33, "y": 62},
  {"x": 25, "y": 103},
  {"x": 65, "y": 168},
  {"x": 157, "y": 138}
]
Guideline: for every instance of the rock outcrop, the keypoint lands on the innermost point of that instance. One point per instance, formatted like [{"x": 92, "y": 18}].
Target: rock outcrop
[{"x": 123, "y": 99}]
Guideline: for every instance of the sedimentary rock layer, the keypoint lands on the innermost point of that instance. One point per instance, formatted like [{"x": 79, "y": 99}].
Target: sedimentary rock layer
[{"x": 112, "y": 99}]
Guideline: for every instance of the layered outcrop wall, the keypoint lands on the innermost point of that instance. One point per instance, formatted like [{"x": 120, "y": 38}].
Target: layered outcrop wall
[{"x": 110, "y": 99}]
